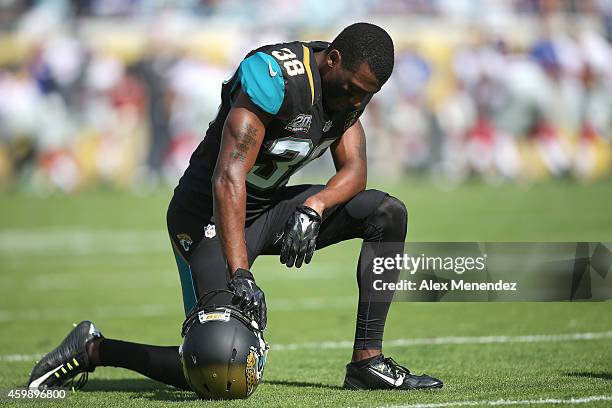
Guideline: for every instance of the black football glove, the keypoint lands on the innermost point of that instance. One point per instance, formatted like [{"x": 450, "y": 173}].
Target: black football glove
[
  {"x": 249, "y": 297},
  {"x": 300, "y": 236}
]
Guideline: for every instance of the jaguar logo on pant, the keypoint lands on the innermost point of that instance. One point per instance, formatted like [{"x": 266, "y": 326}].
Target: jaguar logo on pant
[{"x": 185, "y": 241}]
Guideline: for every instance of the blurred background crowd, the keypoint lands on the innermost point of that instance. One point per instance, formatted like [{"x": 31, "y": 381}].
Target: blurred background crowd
[{"x": 119, "y": 92}]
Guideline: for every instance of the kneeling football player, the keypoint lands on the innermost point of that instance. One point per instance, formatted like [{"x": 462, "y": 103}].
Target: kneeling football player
[{"x": 285, "y": 105}]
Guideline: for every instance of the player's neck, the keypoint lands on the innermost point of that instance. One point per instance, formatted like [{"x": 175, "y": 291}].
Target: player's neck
[{"x": 320, "y": 58}]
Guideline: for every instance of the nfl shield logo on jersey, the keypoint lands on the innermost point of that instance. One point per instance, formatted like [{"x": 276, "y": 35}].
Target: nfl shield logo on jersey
[
  {"x": 301, "y": 123},
  {"x": 209, "y": 231}
]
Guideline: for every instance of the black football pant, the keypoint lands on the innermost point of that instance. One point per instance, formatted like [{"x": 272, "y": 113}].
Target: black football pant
[{"x": 377, "y": 218}]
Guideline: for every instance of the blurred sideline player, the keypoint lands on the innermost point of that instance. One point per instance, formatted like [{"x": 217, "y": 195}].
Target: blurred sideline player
[{"x": 283, "y": 107}]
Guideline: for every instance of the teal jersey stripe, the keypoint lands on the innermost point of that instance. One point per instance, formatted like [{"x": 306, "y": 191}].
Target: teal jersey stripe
[
  {"x": 189, "y": 293},
  {"x": 262, "y": 79}
]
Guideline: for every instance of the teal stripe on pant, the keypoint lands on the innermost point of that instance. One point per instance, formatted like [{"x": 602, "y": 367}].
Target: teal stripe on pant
[{"x": 187, "y": 286}]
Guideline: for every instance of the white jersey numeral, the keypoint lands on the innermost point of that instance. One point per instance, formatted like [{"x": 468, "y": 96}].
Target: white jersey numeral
[
  {"x": 292, "y": 65},
  {"x": 283, "y": 54},
  {"x": 284, "y": 157}
]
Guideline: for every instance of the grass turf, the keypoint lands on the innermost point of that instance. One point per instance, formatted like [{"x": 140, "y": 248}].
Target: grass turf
[{"x": 105, "y": 256}]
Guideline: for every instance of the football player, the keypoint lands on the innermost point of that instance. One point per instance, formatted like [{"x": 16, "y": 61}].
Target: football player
[{"x": 285, "y": 105}]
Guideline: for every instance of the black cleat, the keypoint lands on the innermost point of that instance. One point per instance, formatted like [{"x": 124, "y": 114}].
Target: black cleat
[
  {"x": 382, "y": 373},
  {"x": 59, "y": 367}
]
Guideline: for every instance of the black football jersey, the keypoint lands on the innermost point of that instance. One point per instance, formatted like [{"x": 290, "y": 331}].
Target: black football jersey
[{"x": 283, "y": 80}]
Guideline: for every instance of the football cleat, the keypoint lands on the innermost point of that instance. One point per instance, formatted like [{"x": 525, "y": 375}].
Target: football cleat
[
  {"x": 60, "y": 367},
  {"x": 384, "y": 373}
]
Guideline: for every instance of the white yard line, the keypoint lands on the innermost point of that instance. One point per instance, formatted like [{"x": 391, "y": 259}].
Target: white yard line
[
  {"x": 47, "y": 314},
  {"x": 147, "y": 310},
  {"x": 502, "y": 402},
  {"x": 77, "y": 241},
  {"x": 9, "y": 358},
  {"x": 535, "y": 338},
  {"x": 551, "y": 338}
]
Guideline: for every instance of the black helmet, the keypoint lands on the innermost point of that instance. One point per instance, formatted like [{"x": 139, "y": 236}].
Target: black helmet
[{"x": 223, "y": 353}]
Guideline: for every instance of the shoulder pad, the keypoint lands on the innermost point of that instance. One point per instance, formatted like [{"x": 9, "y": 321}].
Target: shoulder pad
[{"x": 262, "y": 80}]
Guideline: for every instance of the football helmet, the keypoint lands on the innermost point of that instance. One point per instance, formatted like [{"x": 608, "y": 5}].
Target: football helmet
[{"x": 223, "y": 352}]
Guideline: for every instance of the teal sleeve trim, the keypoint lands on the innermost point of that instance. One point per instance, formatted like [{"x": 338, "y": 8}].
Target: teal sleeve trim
[{"x": 262, "y": 80}]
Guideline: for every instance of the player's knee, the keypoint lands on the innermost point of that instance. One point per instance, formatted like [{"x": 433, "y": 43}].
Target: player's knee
[
  {"x": 394, "y": 210},
  {"x": 383, "y": 217},
  {"x": 388, "y": 222}
]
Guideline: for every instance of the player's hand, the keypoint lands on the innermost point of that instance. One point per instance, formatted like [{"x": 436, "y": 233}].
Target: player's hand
[
  {"x": 300, "y": 236},
  {"x": 249, "y": 297}
]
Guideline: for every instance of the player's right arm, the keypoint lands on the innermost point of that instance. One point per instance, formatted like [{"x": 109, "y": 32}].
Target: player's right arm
[{"x": 241, "y": 140}]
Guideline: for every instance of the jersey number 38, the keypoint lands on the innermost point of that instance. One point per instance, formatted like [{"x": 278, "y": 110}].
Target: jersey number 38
[{"x": 292, "y": 65}]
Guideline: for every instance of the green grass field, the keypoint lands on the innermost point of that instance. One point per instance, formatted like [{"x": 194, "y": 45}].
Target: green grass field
[{"x": 105, "y": 256}]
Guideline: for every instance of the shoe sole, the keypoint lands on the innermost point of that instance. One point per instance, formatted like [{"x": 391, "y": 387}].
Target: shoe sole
[{"x": 354, "y": 387}]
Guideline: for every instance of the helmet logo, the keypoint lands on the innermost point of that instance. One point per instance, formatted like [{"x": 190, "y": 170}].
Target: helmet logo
[
  {"x": 251, "y": 371},
  {"x": 254, "y": 369}
]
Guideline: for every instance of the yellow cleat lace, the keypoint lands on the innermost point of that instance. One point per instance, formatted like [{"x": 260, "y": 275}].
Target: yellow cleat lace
[{"x": 72, "y": 383}]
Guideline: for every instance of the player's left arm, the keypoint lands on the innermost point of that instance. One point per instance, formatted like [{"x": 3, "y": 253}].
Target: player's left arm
[
  {"x": 301, "y": 230},
  {"x": 349, "y": 154}
]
